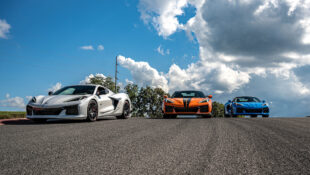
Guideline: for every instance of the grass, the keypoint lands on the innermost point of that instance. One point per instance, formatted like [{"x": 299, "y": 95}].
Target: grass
[{"x": 12, "y": 114}]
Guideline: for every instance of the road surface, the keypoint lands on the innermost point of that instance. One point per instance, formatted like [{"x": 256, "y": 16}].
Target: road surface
[{"x": 157, "y": 146}]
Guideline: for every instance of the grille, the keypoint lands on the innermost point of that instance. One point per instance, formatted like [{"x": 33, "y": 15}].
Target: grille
[
  {"x": 47, "y": 111},
  {"x": 180, "y": 109},
  {"x": 195, "y": 109},
  {"x": 72, "y": 110},
  {"x": 192, "y": 109},
  {"x": 169, "y": 109},
  {"x": 243, "y": 110},
  {"x": 204, "y": 108}
]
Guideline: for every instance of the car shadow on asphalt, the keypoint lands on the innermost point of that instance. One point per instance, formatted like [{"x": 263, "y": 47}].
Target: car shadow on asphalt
[{"x": 48, "y": 122}]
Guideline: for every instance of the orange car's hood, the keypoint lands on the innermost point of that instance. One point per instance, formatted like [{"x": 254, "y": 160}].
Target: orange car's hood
[{"x": 180, "y": 101}]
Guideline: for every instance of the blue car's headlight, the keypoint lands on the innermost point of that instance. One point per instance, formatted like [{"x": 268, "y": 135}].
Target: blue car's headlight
[
  {"x": 238, "y": 104},
  {"x": 265, "y": 104}
]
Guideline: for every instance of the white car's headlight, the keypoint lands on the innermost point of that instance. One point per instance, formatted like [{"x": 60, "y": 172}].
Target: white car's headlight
[
  {"x": 204, "y": 101},
  {"x": 77, "y": 99}
]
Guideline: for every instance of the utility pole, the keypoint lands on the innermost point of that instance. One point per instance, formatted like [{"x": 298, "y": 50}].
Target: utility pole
[{"x": 115, "y": 75}]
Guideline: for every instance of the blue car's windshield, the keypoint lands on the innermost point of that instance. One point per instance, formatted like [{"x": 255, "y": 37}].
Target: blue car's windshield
[
  {"x": 75, "y": 90},
  {"x": 246, "y": 99}
]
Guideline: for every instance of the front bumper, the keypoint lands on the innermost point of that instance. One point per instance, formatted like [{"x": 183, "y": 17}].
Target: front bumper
[
  {"x": 251, "y": 111},
  {"x": 55, "y": 112},
  {"x": 199, "y": 110}
]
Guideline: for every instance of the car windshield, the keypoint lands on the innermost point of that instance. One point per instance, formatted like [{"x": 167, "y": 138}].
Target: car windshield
[
  {"x": 75, "y": 90},
  {"x": 188, "y": 94},
  {"x": 246, "y": 99}
]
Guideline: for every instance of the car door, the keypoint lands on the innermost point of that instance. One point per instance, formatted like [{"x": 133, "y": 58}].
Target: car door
[{"x": 105, "y": 102}]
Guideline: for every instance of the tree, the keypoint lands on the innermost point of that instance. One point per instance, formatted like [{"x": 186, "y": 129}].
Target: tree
[
  {"x": 133, "y": 92},
  {"x": 217, "y": 109},
  {"x": 106, "y": 82}
]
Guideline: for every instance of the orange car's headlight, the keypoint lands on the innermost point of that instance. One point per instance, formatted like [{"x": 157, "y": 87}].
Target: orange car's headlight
[
  {"x": 169, "y": 101},
  {"x": 204, "y": 101}
]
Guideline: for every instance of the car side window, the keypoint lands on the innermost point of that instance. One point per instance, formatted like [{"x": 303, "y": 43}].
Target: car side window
[{"x": 101, "y": 91}]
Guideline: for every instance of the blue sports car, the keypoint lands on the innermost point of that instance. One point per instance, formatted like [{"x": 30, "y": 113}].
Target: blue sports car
[{"x": 246, "y": 105}]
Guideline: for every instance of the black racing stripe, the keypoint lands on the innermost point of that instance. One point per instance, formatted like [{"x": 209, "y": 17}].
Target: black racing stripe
[
  {"x": 184, "y": 102},
  {"x": 188, "y": 101}
]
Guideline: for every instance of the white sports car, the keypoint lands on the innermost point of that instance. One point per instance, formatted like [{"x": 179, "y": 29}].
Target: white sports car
[{"x": 88, "y": 102}]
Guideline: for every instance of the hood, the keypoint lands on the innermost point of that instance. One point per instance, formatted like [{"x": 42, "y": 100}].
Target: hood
[
  {"x": 56, "y": 99},
  {"x": 251, "y": 104}
]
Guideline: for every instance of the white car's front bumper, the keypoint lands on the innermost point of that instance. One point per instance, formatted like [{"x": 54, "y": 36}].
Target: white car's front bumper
[{"x": 71, "y": 117}]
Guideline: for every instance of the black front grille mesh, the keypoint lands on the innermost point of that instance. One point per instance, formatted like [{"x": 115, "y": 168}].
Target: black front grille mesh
[
  {"x": 70, "y": 110},
  {"x": 204, "y": 108},
  {"x": 169, "y": 109}
]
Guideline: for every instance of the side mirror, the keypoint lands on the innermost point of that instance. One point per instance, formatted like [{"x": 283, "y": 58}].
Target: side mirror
[
  {"x": 210, "y": 96},
  {"x": 165, "y": 96},
  {"x": 50, "y": 92},
  {"x": 229, "y": 101}
]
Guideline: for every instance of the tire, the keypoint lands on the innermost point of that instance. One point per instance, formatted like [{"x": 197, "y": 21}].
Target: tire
[
  {"x": 39, "y": 120},
  {"x": 232, "y": 114},
  {"x": 253, "y": 116},
  {"x": 169, "y": 116},
  {"x": 227, "y": 115},
  {"x": 207, "y": 116},
  {"x": 265, "y": 116},
  {"x": 92, "y": 111},
  {"x": 126, "y": 111}
]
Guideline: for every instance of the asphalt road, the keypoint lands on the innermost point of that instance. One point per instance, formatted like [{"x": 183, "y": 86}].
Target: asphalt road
[{"x": 157, "y": 146}]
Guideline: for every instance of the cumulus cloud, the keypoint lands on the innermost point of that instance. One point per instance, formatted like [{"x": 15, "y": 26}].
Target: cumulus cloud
[
  {"x": 162, "y": 51},
  {"x": 87, "y": 78},
  {"x": 143, "y": 74},
  {"x": 55, "y": 87},
  {"x": 247, "y": 47},
  {"x": 88, "y": 47},
  {"x": 17, "y": 102},
  {"x": 100, "y": 47},
  {"x": 4, "y": 29}
]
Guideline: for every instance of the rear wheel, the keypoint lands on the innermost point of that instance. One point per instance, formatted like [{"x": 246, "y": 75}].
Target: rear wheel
[
  {"x": 126, "y": 111},
  {"x": 92, "y": 111},
  {"x": 265, "y": 116},
  {"x": 39, "y": 120}
]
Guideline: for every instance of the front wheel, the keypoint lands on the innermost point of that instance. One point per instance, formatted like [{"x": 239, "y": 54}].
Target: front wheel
[
  {"x": 254, "y": 116},
  {"x": 265, "y": 116},
  {"x": 92, "y": 111},
  {"x": 126, "y": 111},
  {"x": 167, "y": 116}
]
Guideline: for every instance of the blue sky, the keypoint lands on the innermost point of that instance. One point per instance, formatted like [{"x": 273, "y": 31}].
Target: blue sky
[{"x": 225, "y": 48}]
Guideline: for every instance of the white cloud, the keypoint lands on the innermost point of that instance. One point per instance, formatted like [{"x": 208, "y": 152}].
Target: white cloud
[
  {"x": 143, "y": 74},
  {"x": 88, "y": 47},
  {"x": 263, "y": 41},
  {"x": 4, "y": 29},
  {"x": 55, "y": 87},
  {"x": 162, "y": 14},
  {"x": 87, "y": 78},
  {"x": 17, "y": 102},
  {"x": 100, "y": 47},
  {"x": 162, "y": 51}
]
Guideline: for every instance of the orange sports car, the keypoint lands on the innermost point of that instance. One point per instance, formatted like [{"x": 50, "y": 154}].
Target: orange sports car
[{"x": 187, "y": 103}]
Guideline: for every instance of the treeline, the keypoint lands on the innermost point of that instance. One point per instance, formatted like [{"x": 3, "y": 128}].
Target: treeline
[{"x": 147, "y": 101}]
